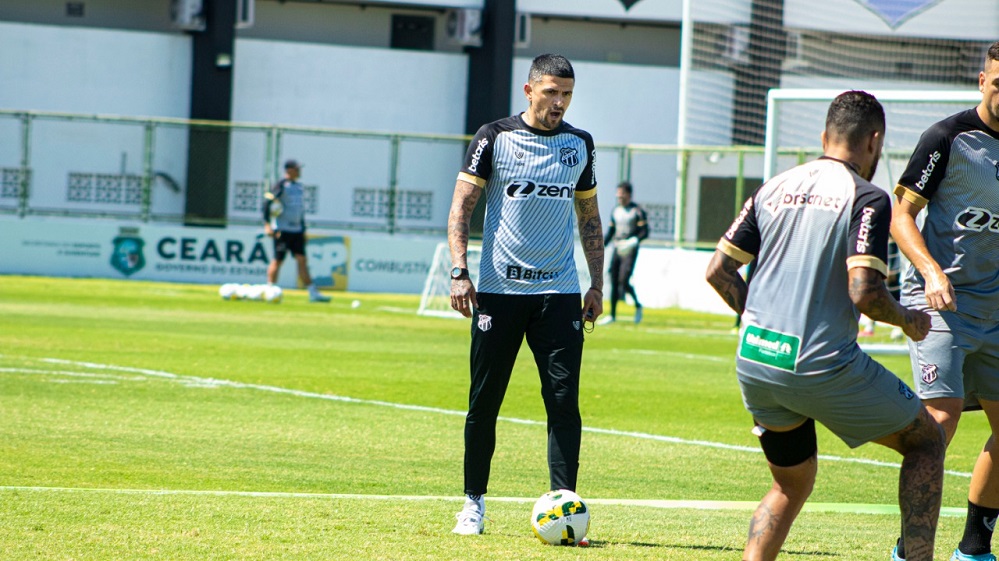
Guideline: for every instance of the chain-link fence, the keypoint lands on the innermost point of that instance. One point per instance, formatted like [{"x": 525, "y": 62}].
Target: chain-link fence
[{"x": 209, "y": 173}]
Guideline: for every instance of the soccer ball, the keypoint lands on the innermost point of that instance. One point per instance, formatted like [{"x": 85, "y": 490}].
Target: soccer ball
[
  {"x": 276, "y": 208},
  {"x": 273, "y": 294},
  {"x": 228, "y": 291},
  {"x": 560, "y": 518}
]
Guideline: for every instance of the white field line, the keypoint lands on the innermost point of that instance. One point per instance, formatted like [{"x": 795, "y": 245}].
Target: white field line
[
  {"x": 215, "y": 382},
  {"x": 650, "y": 503}
]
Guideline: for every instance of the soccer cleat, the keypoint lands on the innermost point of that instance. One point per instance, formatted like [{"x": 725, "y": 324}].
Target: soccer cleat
[
  {"x": 958, "y": 556},
  {"x": 316, "y": 296},
  {"x": 605, "y": 320},
  {"x": 638, "y": 315},
  {"x": 470, "y": 519},
  {"x": 894, "y": 554}
]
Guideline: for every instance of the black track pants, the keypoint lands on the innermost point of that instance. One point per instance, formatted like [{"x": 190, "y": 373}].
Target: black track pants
[{"x": 552, "y": 324}]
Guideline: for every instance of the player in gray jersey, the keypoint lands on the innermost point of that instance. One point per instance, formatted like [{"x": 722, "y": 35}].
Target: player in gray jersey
[
  {"x": 537, "y": 174},
  {"x": 628, "y": 227},
  {"x": 953, "y": 175},
  {"x": 284, "y": 221},
  {"x": 819, "y": 237}
]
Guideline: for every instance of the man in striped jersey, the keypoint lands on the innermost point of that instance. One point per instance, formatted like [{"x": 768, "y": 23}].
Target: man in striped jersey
[
  {"x": 535, "y": 170},
  {"x": 954, "y": 175},
  {"x": 819, "y": 236}
]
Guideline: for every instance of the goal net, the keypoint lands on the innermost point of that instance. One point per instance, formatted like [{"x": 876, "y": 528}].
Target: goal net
[
  {"x": 796, "y": 118},
  {"x": 436, "y": 298},
  {"x": 734, "y": 51}
]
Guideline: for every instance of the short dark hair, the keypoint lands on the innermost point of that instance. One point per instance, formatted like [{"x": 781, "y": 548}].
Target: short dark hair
[
  {"x": 853, "y": 116},
  {"x": 626, "y": 185},
  {"x": 993, "y": 53},
  {"x": 550, "y": 65}
]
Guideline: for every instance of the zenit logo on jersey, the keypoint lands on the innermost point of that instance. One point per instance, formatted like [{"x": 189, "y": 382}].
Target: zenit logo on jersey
[
  {"x": 516, "y": 272},
  {"x": 526, "y": 189},
  {"x": 978, "y": 219}
]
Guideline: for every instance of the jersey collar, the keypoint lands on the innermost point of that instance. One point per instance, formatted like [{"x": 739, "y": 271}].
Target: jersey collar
[{"x": 851, "y": 165}]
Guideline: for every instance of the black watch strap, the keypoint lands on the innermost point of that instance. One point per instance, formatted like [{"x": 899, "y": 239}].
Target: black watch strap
[{"x": 459, "y": 273}]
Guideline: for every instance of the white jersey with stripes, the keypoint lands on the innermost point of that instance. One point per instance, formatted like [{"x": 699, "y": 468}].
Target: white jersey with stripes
[{"x": 531, "y": 179}]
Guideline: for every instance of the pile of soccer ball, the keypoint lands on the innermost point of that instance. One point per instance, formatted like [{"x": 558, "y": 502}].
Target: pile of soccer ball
[
  {"x": 265, "y": 292},
  {"x": 560, "y": 518}
]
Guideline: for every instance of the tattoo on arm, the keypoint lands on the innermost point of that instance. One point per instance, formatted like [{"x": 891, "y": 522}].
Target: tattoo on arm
[
  {"x": 869, "y": 294},
  {"x": 591, "y": 237},
  {"x": 723, "y": 275},
  {"x": 466, "y": 196}
]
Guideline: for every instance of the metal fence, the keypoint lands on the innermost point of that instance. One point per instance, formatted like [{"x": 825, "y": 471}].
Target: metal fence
[{"x": 164, "y": 170}]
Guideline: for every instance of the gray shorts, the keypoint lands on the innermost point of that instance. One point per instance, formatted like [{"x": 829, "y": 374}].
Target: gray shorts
[
  {"x": 860, "y": 403},
  {"x": 958, "y": 358}
]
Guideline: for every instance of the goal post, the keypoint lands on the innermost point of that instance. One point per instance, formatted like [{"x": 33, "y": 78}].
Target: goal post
[
  {"x": 436, "y": 297},
  {"x": 796, "y": 117}
]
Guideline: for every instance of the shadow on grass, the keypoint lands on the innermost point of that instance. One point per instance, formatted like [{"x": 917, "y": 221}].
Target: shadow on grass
[{"x": 605, "y": 543}]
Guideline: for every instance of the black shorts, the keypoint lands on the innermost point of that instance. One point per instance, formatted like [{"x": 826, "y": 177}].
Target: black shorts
[{"x": 288, "y": 241}]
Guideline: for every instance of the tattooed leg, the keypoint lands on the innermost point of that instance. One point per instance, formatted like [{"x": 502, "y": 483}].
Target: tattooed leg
[{"x": 773, "y": 518}]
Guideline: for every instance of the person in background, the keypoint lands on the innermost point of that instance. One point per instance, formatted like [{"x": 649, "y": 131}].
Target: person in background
[
  {"x": 284, "y": 221},
  {"x": 629, "y": 225}
]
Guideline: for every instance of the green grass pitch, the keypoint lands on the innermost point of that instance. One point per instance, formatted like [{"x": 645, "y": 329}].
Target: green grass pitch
[{"x": 157, "y": 421}]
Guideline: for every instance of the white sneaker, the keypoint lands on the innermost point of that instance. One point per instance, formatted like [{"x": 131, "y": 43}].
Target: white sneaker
[
  {"x": 470, "y": 519},
  {"x": 606, "y": 320}
]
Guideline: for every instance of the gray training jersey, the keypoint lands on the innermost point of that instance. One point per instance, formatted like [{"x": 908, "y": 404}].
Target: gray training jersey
[
  {"x": 292, "y": 197},
  {"x": 954, "y": 174},
  {"x": 531, "y": 179},
  {"x": 806, "y": 227}
]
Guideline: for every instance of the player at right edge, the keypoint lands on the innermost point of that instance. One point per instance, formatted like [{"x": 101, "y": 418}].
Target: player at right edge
[{"x": 954, "y": 175}]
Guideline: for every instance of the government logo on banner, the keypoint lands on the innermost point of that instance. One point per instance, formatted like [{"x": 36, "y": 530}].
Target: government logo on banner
[
  {"x": 127, "y": 256},
  {"x": 897, "y": 12}
]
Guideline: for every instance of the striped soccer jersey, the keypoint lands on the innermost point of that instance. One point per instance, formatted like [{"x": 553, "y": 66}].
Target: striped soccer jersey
[
  {"x": 806, "y": 227},
  {"x": 531, "y": 179},
  {"x": 292, "y": 197},
  {"x": 954, "y": 174}
]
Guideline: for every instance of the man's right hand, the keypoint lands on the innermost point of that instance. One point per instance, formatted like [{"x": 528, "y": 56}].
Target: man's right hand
[
  {"x": 463, "y": 296},
  {"x": 939, "y": 291},
  {"x": 268, "y": 230},
  {"x": 917, "y": 324}
]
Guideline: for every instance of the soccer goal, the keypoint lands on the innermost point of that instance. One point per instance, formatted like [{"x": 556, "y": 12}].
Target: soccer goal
[
  {"x": 796, "y": 118},
  {"x": 436, "y": 298}
]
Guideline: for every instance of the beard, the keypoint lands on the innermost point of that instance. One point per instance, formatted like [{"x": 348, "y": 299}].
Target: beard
[{"x": 874, "y": 167}]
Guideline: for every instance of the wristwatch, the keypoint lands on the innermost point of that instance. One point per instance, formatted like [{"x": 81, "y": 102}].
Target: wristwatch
[{"x": 458, "y": 272}]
